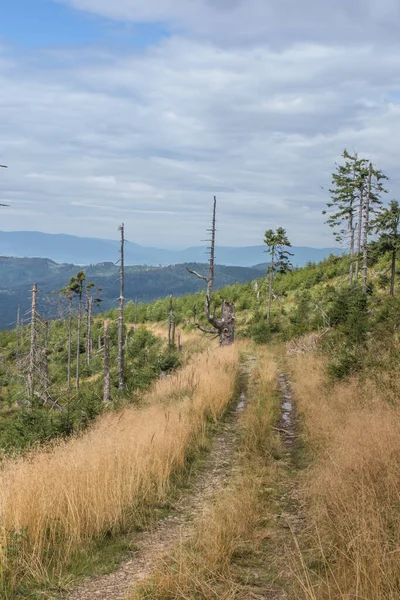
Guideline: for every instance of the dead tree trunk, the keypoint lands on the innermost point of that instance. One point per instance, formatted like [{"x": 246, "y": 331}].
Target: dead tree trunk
[
  {"x": 121, "y": 315},
  {"x": 46, "y": 375},
  {"x": 107, "y": 385},
  {"x": 224, "y": 327},
  {"x": 78, "y": 341},
  {"x": 393, "y": 271},
  {"x": 171, "y": 325},
  {"x": 17, "y": 335},
  {"x": 33, "y": 349},
  {"x": 69, "y": 341},
  {"x": 89, "y": 307},
  {"x": 360, "y": 229},
  {"x": 228, "y": 318},
  {"x": 271, "y": 278},
  {"x": 366, "y": 230}
]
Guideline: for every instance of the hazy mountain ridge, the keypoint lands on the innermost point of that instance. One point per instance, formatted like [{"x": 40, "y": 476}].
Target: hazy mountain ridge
[
  {"x": 144, "y": 283},
  {"x": 63, "y": 248}
]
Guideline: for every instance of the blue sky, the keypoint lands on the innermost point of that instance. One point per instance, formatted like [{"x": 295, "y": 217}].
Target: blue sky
[
  {"x": 40, "y": 24},
  {"x": 124, "y": 110}
]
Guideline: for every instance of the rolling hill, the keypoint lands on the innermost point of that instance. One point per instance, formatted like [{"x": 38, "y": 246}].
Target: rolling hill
[
  {"x": 142, "y": 283},
  {"x": 63, "y": 248}
]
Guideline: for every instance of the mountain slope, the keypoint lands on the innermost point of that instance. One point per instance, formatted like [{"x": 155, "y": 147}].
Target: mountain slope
[
  {"x": 142, "y": 283},
  {"x": 80, "y": 250}
]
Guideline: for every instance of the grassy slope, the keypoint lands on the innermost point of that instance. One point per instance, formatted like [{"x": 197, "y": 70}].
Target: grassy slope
[
  {"x": 347, "y": 498},
  {"x": 58, "y": 501},
  {"x": 349, "y": 427}
]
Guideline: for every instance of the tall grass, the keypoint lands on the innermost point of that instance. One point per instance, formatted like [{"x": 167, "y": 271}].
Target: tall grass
[
  {"x": 353, "y": 484},
  {"x": 54, "y": 502},
  {"x": 192, "y": 341},
  {"x": 202, "y": 566}
]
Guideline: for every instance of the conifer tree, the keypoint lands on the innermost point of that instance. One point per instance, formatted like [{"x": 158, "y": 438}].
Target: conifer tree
[
  {"x": 68, "y": 293},
  {"x": 76, "y": 285},
  {"x": 356, "y": 191},
  {"x": 387, "y": 223},
  {"x": 372, "y": 203},
  {"x": 277, "y": 242},
  {"x": 345, "y": 195}
]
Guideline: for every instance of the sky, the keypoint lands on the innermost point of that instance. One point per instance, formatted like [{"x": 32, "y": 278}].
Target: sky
[{"x": 140, "y": 112}]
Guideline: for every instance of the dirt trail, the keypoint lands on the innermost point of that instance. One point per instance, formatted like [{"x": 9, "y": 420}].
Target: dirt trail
[
  {"x": 151, "y": 546},
  {"x": 289, "y": 520}
]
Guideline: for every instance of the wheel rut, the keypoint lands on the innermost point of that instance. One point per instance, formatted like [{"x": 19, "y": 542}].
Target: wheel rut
[{"x": 152, "y": 545}]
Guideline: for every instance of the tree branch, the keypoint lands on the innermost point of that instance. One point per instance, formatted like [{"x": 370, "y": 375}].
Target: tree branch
[
  {"x": 209, "y": 331},
  {"x": 203, "y": 277}
]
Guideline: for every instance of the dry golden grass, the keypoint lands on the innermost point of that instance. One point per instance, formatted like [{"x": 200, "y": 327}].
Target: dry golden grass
[
  {"x": 55, "y": 501},
  {"x": 352, "y": 487},
  {"x": 202, "y": 567},
  {"x": 192, "y": 341}
]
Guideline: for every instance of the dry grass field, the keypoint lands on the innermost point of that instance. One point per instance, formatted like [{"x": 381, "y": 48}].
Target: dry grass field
[{"x": 56, "y": 500}]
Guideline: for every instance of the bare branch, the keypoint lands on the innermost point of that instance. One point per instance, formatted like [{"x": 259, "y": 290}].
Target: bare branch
[
  {"x": 203, "y": 329},
  {"x": 203, "y": 277},
  {"x": 209, "y": 331}
]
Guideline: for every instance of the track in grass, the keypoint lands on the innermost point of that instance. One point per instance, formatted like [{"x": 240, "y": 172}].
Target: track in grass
[{"x": 151, "y": 546}]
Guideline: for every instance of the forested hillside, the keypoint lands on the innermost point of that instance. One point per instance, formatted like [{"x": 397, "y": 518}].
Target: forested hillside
[
  {"x": 268, "y": 467},
  {"x": 141, "y": 283}
]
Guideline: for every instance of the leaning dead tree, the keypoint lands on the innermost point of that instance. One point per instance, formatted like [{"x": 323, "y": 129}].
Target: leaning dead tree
[{"x": 223, "y": 327}]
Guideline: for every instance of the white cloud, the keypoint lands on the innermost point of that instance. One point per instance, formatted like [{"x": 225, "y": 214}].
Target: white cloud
[
  {"x": 276, "y": 22},
  {"x": 94, "y": 138}
]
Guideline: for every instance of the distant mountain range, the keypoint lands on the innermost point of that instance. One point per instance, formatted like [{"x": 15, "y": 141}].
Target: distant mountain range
[
  {"x": 63, "y": 248},
  {"x": 142, "y": 283}
]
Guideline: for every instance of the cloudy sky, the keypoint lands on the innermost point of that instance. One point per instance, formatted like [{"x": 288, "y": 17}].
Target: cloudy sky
[{"x": 140, "y": 111}]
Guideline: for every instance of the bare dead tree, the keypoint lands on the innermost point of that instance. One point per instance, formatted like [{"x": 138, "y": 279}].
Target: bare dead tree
[
  {"x": 224, "y": 328},
  {"x": 121, "y": 361},
  {"x": 45, "y": 360},
  {"x": 171, "y": 325},
  {"x": 69, "y": 294},
  {"x": 107, "y": 385},
  {"x": 366, "y": 229},
  {"x": 89, "y": 311},
  {"x": 17, "y": 337},
  {"x": 33, "y": 349}
]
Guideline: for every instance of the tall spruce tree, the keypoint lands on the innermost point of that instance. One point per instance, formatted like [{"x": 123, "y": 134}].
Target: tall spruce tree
[
  {"x": 355, "y": 193},
  {"x": 277, "y": 242},
  {"x": 387, "y": 224},
  {"x": 346, "y": 196},
  {"x": 371, "y": 204}
]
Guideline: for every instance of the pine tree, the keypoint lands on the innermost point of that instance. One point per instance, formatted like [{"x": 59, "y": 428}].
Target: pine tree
[{"x": 277, "y": 242}]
